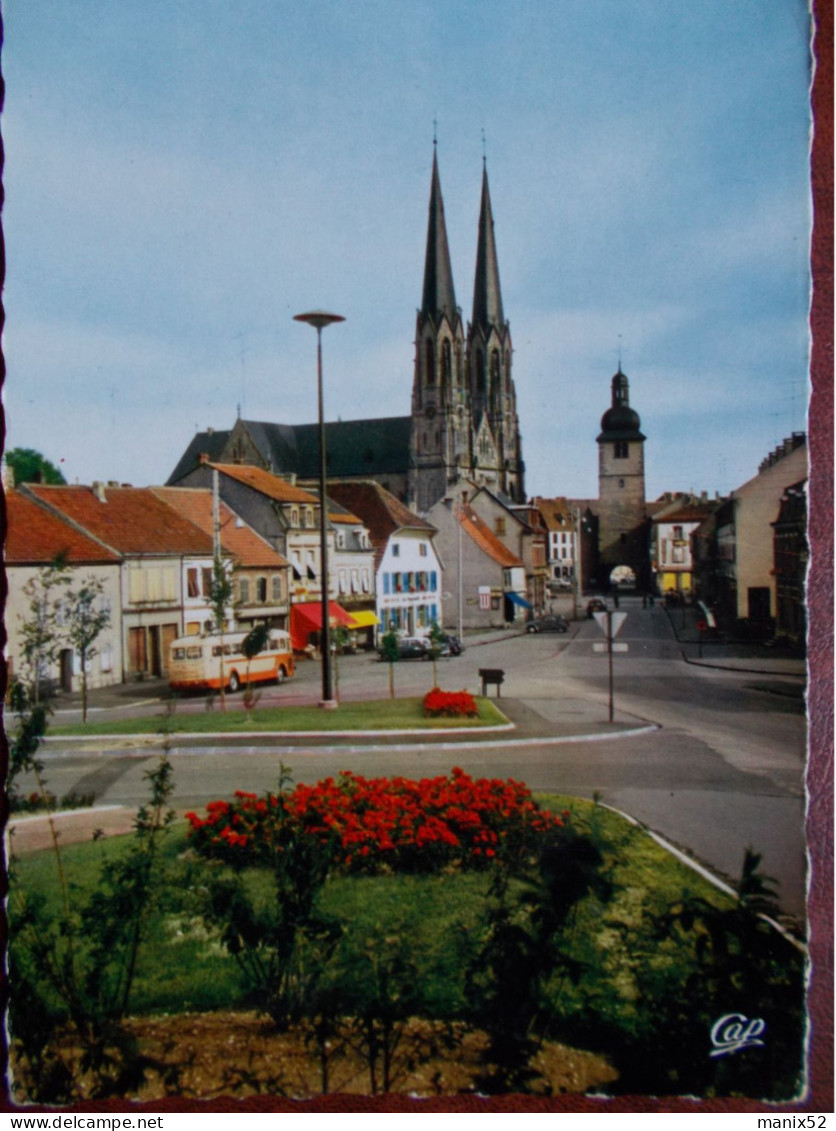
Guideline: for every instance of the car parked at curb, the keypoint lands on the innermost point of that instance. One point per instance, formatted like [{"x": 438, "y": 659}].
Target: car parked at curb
[
  {"x": 410, "y": 648},
  {"x": 551, "y": 622}
]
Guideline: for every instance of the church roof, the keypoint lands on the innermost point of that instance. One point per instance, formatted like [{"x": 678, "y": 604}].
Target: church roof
[
  {"x": 209, "y": 443},
  {"x": 353, "y": 447},
  {"x": 487, "y": 296},
  {"x": 439, "y": 296}
]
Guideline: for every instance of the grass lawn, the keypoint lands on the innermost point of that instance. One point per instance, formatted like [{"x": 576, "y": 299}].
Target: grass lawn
[
  {"x": 375, "y": 714},
  {"x": 620, "y": 995},
  {"x": 182, "y": 968}
]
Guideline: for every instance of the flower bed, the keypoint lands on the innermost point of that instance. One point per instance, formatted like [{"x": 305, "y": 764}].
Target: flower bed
[
  {"x": 451, "y": 704},
  {"x": 374, "y": 824}
]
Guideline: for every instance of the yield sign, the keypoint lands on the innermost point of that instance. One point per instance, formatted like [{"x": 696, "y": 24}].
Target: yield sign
[{"x": 616, "y": 621}]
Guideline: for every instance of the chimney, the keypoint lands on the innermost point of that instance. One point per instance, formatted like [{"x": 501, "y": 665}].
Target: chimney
[
  {"x": 99, "y": 491},
  {"x": 203, "y": 458}
]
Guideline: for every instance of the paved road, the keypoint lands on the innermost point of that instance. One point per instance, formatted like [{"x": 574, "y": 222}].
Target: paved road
[{"x": 723, "y": 769}]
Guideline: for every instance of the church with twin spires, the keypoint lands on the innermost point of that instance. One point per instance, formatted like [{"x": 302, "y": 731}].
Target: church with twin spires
[
  {"x": 463, "y": 428},
  {"x": 464, "y": 406}
]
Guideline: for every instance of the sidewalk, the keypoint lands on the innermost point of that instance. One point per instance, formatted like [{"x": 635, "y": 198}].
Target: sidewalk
[{"x": 732, "y": 655}]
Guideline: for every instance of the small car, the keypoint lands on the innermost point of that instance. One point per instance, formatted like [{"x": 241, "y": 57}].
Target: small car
[
  {"x": 596, "y": 605},
  {"x": 552, "y": 622}
]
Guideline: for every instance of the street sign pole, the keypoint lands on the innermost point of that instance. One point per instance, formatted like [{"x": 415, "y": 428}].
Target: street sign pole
[
  {"x": 609, "y": 657},
  {"x": 610, "y": 624}
]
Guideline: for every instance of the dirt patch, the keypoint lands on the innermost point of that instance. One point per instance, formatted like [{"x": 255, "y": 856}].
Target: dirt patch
[{"x": 240, "y": 1054}]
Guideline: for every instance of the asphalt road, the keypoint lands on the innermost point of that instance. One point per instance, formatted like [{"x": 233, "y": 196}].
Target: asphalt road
[{"x": 722, "y": 770}]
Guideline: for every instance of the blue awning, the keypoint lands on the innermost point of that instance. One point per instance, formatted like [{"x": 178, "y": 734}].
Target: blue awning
[{"x": 518, "y": 600}]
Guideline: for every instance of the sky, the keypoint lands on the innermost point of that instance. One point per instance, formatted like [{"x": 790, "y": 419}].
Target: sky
[{"x": 183, "y": 176}]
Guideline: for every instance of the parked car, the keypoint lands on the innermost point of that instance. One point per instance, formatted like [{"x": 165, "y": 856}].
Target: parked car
[
  {"x": 552, "y": 622},
  {"x": 596, "y": 605},
  {"x": 409, "y": 648}
]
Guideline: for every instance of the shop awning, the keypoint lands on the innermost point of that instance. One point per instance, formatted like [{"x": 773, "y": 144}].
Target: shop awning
[
  {"x": 364, "y": 618},
  {"x": 516, "y": 599},
  {"x": 306, "y": 617}
]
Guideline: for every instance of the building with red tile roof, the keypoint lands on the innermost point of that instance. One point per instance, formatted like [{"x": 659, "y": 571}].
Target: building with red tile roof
[
  {"x": 484, "y": 582},
  {"x": 287, "y": 517},
  {"x": 35, "y": 539},
  {"x": 407, "y": 570},
  {"x": 261, "y": 574},
  {"x": 159, "y": 549}
]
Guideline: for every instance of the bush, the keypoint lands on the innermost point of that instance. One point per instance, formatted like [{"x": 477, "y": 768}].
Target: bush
[
  {"x": 450, "y": 704},
  {"x": 381, "y": 824}
]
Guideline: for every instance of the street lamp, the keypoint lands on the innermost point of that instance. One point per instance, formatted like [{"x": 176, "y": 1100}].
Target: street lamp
[{"x": 319, "y": 319}]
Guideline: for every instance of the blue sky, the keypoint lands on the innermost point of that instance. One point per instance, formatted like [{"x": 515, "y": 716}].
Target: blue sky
[{"x": 183, "y": 176}]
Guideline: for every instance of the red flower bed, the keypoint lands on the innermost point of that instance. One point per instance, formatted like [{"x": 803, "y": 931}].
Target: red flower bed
[
  {"x": 451, "y": 704},
  {"x": 380, "y": 823}
]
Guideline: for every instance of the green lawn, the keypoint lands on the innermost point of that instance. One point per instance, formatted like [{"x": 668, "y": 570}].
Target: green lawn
[
  {"x": 376, "y": 714},
  {"x": 622, "y": 994}
]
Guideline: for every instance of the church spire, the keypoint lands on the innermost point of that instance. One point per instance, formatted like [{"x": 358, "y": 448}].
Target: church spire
[
  {"x": 487, "y": 297},
  {"x": 439, "y": 294}
]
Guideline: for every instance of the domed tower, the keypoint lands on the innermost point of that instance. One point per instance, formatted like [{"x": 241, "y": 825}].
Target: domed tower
[{"x": 622, "y": 523}]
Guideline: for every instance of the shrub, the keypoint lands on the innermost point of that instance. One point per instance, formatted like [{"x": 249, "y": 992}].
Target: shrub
[
  {"x": 450, "y": 704},
  {"x": 382, "y": 824}
]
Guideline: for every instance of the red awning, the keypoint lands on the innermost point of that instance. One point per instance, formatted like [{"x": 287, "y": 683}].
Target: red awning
[{"x": 306, "y": 618}]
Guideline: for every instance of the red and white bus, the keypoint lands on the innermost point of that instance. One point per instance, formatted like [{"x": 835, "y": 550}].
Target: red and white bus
[{"x": 205, "y": 662}]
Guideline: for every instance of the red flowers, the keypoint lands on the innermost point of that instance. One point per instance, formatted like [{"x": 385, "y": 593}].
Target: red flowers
[
  {"x": 372, "y": 823},
  {"x": 451, "y": 704}
]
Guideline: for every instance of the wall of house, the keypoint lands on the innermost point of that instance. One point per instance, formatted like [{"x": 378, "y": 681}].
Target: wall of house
[
  {"x": 758, "y": 504},
  {"x": 479, "y": 573},
  {"x": 408, "y": 584},
  {"x": 105, "y": 668},
  {"x": 152, "y": 613}
]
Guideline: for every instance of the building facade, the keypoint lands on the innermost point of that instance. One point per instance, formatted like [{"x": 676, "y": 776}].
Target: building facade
[{"x": 465, "y": 428}]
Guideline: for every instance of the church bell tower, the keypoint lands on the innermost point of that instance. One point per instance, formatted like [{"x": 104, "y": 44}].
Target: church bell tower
[
  {"x": 622, "y": 518},
  {"x": 439, "y": 436}
]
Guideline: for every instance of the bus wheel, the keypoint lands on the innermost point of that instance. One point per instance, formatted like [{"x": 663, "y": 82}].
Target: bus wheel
[
  {"x": 234, "y": 682},
  {"x": 281, "y": 675}
]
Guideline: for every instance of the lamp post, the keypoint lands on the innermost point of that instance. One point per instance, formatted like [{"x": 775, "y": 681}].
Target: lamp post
[{"x": 319, "y": 319}]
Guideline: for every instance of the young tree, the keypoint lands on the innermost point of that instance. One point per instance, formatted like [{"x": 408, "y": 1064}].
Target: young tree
[
  {"x": 40, "y": 633},
  {"x": 85, "y": 617},
  {"x": 389, "y": 647},
  {"x": 436, "y": 641},
  {"x": 220, "y": 601},
  {"x": 254, "y": 642}
]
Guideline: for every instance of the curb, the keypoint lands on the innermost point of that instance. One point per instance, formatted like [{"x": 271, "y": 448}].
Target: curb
[
  {"x": 721, "y": 667},
  {"x": 154, "y": 741}
]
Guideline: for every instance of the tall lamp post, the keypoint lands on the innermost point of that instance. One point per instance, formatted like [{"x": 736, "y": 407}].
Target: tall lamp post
[{"x": 319, "y": 319}]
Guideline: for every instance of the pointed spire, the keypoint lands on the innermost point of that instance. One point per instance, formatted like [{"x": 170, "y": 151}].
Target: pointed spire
[
  {"x": 439, "y": 294},
  {"x": 487, "y": 297}
]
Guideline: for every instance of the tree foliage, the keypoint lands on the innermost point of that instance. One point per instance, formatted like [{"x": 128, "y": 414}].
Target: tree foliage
[{"x": 30, "y": 466}]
